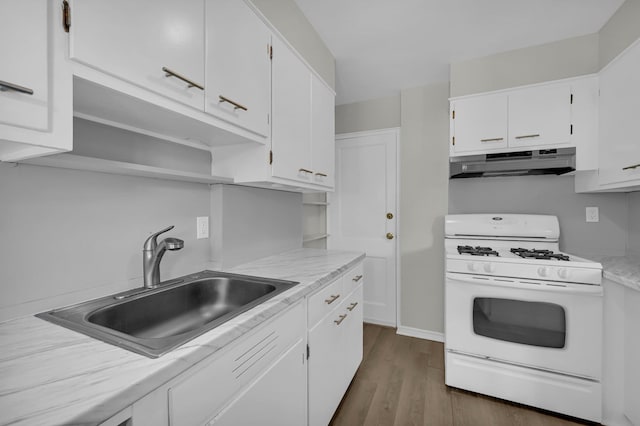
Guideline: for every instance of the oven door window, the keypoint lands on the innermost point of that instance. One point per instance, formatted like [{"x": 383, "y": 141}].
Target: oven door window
[{"x": 530, "y": 323}]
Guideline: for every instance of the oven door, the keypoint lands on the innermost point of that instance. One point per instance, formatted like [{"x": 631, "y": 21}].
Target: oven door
[{"x": 550, "y": 326}]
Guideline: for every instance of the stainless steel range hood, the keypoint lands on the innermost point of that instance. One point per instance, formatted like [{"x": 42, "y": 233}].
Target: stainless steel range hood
[{"x": 556, "y": 161}]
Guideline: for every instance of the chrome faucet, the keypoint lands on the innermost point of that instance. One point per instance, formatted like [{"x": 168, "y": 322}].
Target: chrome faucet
[{"x": 152, "y": 253}]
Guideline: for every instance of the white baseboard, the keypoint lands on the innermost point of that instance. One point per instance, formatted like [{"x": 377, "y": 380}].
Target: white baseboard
[
  {"x": 378, "y": 322},
  {"x": 421, "y": 334}
]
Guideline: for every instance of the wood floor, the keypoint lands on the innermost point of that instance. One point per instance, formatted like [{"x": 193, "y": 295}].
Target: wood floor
[{"x": 401, "y": 382}]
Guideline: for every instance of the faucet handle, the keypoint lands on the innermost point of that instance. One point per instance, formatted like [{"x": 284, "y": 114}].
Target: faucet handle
[{"x": 151, "y": 242}]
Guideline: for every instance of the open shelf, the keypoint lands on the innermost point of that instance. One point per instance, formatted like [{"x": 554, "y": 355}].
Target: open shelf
[
  {"x": 79, "y": 162},
  {"x": 315, "y": 203},
  {"x": 314, "y": 237}
]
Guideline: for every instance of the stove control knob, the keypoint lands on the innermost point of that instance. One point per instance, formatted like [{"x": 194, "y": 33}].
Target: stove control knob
[
  {"x": 563, "y": 273},
  {"x": 472, "y": 267},
  {"x": 489, "y": 268},
  {"x": 543, "y": 271}
]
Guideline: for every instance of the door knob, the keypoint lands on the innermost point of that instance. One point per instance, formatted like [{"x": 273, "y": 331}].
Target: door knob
[
  {"x": 389, "y": 236},
  {"x": 389, "y": 215}
]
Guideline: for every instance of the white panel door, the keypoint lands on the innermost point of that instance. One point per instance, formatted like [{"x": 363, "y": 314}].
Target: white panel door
[
  {"x": 24, "y": 68},
  {"x": 363, "y": 215},
  {"x": 480, "y": 124},
  {"x": 540, "y": 116},
  {"x": 238, "y": 68},
  {"x": 134, "y": 40},
  {"x": 291, "y": 110}
]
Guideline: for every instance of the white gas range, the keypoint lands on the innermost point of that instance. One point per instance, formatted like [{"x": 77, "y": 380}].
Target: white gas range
[{"x": 523, "y": 321}]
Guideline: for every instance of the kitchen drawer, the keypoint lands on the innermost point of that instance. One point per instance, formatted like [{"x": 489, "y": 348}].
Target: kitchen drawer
[
  {"x": 353, "y": 278},
  {"x": 322, "y": 302},
  {"x": 207, "y": 388}
]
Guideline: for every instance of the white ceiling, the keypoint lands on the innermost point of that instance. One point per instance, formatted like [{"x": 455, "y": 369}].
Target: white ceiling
[{"x": 383, "y": 46}]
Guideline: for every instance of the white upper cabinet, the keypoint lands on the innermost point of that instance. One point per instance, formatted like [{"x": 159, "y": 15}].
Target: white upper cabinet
[
  {"x": 535, "y": 117},
  {"x": 238, "y": 66},
  {"x": 619, "y": 140},
  {"x": 155, "y": 44},
  {"x": 540, "y": 116},
  {"x": 35, "y": 82},
  {"x": 322, "y": 133},
  {"x": 291, "y": 108},
  {"x": 479, "y": 124}
]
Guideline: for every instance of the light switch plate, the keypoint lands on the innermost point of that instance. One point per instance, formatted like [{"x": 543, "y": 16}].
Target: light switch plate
[
  {"x": 202, "y": 227},
  {"x": 593, "y": 214}
]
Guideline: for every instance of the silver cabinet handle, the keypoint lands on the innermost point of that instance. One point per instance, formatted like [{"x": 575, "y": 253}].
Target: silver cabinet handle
[
  {"x": 321, "y": 174},
  {"x": 492, "y": 140},
  {"x": 528, "y": 136},
  {"x": 342, "y": 317},
  {"x": 305, "y": 170},
  {"x": 352, "y": 306},
  {"x": 6, "y": 86},
  {"x": 635, "y": 166},
  {"x": 190, "y": 83},
  {"x": 235, "y": 104},
  {"x": 332, "y": 299},
  {"x": 356, "y": 278}
]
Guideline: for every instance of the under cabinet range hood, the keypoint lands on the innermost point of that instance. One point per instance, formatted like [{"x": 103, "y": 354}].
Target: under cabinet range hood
[{"x": 556, "y": 161}]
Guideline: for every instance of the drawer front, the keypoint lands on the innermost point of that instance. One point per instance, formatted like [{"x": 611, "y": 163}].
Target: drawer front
[
  {"x": 325, "y": 300},
  {"x": 205, "y": 390},
  {"x": 353, "y": 278}
]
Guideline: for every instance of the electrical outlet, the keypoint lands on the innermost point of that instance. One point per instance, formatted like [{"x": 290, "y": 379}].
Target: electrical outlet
[
  {"x": 593, "y": 214},
  {"x": 202, "y": 227}
]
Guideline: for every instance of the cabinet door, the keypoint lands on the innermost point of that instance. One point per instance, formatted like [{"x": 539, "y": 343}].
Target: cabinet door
[
  {"x": 631, "y": 356},
  {"x": 24, "y": 89},
  {"x": 277, "y": 398},
  {"x": 138, "y": 40},
  {"x": 540, "y": 116},
  {"x": 352, "y": 336},
  {"x": 480, "y": 124},
  {"x": 619, "y": 143},
  {"x": 238, "y": 68},
  {"x": 291, "y": 121},
  {"x": 326, "y": 366},
  {"x": 323, "y": 133}
]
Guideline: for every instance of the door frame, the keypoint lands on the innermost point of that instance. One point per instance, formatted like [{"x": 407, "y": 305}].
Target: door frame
[{"x": 396, "y": 132}]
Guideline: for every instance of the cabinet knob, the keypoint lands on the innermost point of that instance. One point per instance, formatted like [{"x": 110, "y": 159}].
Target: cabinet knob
[
  {"x": 389, "y": 236},
  {"x": 332, "y": 299},
  {"x": 352, "y": 306},
  {"x": 342, "y": 317},
  {"x": 6, "y": 86},
  {"x": 356, "y": 278},
  {"x": 389, "y": 215}
]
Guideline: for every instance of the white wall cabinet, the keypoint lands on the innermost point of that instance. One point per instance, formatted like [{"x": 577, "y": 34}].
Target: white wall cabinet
[
  {"x": 323, "y": 133},
  {"x": 35, "y": 81},
  {"x": 543, "y": 116},
  {"x": 155, "y": 44},
  {"x": 335, "y": 346},
  {"x": 238, "y": 66}
]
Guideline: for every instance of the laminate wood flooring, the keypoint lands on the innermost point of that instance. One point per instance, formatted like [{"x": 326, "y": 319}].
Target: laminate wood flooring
[{"x": 401, "y": 382}]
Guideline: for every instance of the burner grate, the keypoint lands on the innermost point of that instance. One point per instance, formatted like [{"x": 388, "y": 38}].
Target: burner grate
[
  {"x": 477, "y": 251},
  {"x": 539, "y": 254}
]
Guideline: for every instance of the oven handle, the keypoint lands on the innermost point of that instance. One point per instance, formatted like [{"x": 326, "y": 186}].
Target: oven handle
[{"x": 567, "y": 288}]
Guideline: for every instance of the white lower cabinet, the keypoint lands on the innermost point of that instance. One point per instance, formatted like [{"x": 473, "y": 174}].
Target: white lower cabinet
[{"x": 276, "y": 398}]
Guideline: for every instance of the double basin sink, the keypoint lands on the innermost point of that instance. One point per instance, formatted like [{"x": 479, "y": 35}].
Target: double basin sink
[{"x": 155, "y": 321}]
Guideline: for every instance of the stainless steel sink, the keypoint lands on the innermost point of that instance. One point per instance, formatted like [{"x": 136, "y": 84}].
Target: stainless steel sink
[{"x": 152, "y": 322}]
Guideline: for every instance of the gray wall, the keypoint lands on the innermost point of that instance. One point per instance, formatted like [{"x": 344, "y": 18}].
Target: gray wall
[
  {"x": 553, "y": 195},
  {"x": 250, "y": 223},
  {"x": 423, "y": 205},
  {"x": 289, "y": 20},
  {"x": 634, "y": 222},
  {"x": 383, "y": 113}
]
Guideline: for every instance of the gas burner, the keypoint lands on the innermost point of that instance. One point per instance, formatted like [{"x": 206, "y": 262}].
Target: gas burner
[
  {"x": 477, "y": 251},
  {"x": 539, "y": 254}
]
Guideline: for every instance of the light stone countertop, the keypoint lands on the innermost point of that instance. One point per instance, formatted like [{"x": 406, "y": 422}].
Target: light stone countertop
[
  {"x": 50, "y": 375},
  {"x": 624, "y": 270}
]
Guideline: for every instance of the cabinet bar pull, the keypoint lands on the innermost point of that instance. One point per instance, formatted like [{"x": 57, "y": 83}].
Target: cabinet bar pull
[
  {"x": 492, "y": 140},
  {"x": 332, "y": 299},
  {"x": 352, "y": 306},
  {"x": 235, "y": 104},
  {"x": 6, "y": 86},
  {"x": 190, "y": 83},
  {"x": 305, "y": 170},
  {"x": 356, "y": 278},
  {"x": 528, "y": 136},
  {"x": 635, "y": 166},
  {"x": 342, "y": 317},
  {"x": 321, "y": 174}
]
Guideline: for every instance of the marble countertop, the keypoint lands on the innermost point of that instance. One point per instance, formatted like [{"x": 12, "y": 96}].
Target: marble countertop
[
  {"x": 623, "y": 270},
  {"x": 50, "y": 375}
]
